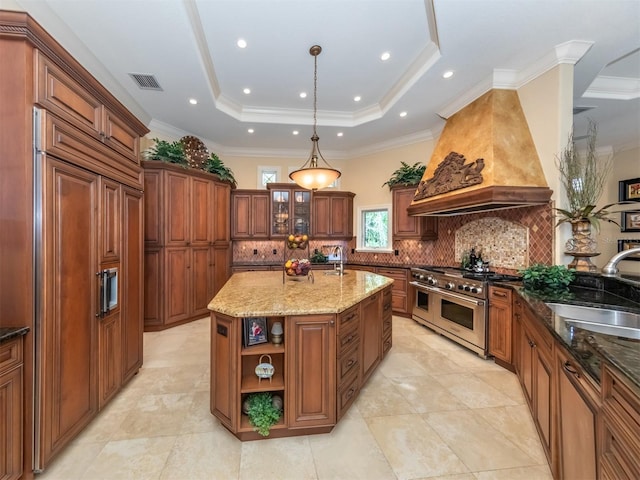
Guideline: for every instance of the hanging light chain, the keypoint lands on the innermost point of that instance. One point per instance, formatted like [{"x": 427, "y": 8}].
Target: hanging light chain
[{"x": 315, "y": 92}]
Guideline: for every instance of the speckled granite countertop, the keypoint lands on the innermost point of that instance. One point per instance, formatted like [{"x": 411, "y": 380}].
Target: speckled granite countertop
[
  {"x": 253, "y": 294},
  {"x": 7, "y": 333},
  {"x": 590, "y": 349}
]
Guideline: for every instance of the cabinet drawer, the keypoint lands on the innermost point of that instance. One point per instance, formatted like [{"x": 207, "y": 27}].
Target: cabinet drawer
[
  {"x": 387, "y": 322},
  {"x": 10, "y": 354},
  {"x": 347, "y": 363},
  {"x": 348, "y": 393},
  {"x": 387, "y": 342},
  {"x": 348, "y": 338},
  {"x": 499, "y": 295},
  {"x": 348, "y": 318}
]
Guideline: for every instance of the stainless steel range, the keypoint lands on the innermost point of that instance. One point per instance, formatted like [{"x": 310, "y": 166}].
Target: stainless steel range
[{"x": 454, "y": 303}]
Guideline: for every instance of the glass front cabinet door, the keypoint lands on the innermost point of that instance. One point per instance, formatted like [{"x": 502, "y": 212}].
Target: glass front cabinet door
[{"x": 290, "y": 210}]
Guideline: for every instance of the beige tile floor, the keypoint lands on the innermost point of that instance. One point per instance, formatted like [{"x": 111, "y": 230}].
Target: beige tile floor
[{"x": 431, "y": 410}]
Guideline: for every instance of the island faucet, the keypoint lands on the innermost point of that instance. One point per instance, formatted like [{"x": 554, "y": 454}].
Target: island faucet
[
  {"x": 611, "y": 268},
  {"x": 338, "y": 250}
]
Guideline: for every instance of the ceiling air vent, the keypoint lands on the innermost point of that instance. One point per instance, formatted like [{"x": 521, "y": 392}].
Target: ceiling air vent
[{"x": 145, "y": 81}]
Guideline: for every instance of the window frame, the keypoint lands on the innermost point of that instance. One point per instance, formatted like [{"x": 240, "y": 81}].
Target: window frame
[{"x": 361, "y": 210}]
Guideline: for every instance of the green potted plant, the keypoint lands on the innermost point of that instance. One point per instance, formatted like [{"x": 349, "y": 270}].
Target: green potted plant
[
  {"x": 548, "y": 279},
  {"x": 164, "y": 151},
  {"x": 406, "y": 175},
  {"x": 217, "y": 166},
  {"x": 263, "y": 412}
]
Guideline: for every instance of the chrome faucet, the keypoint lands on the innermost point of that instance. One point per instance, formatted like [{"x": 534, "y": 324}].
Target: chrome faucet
[
  {"x": 611, "y": 268},
  {"x": 338, "y": 250}
]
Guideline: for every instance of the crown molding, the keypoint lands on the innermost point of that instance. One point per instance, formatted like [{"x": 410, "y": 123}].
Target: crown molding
[{"x": 613, "y": 88}]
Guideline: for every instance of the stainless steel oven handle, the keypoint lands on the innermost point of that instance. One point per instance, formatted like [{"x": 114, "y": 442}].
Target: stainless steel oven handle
[{"x": 447, "y": 293}]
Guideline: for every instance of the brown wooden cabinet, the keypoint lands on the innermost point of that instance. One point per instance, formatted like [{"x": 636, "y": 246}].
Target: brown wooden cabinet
[
  {"x": 311, "y": 368},
  {"x": 500, "y": 324},
  {"x": 290, "y": 210},
  {"x": 619, "y": 427},
  {"x": 317, "y": 368},
  {"x": 535, "y": 348},
  {"x": 370, "y": 334},
  {"x": 578, "y": 401},
  {"x": 332, "y": 215},
  {"x": 11, "y": 412},
  {"x": 408, "y": 227},
  {"x": 70, "y": 173},
  {"x": 402, "y": 295},
  {"x": 250, "y": 214},
  {"x": 187, "y": 256}
]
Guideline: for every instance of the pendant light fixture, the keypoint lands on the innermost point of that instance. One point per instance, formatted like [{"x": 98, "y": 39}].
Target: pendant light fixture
[{"x": 310, "y": 175}]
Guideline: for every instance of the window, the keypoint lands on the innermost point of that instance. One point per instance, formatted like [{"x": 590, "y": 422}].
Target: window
[
  {"x": 374, "y": 228},
  {"x": 267, "y": 175}
]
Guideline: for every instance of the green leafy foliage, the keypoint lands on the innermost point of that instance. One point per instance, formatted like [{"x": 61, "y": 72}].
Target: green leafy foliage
[
  {"x": 262, "y": 413},
  {"x": 407, "y": 175},
  {"x": 217, "y": 166},
  {"x": 551, "y": 279},
  {"x": 171, "y": 152}
]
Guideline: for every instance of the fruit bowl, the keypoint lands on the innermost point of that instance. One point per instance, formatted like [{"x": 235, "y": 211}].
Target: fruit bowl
[
  {"x": 297, "y": 241},
  {"x": 297, "y": 268}
]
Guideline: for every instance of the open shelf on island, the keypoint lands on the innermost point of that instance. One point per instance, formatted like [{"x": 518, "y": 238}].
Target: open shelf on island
[
  {"x": 251, "y": 383},
  {"x": 263, "y": 349}
]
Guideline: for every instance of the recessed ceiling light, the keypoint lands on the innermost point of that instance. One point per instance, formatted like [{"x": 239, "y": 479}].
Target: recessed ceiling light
[
  {"x": 242, "y": 43},
  {"x": 193, "y": 101},
  {"x": 447, "y": 74},
  {"x": 385, "y": 56},
  {"x": 247, "y": 91},
  {"x": 295, "y": 132},
  {"x": 357, "y": 98},
  {"x": 403, "y": 114},
  {"x": 339, "y": 134},
  {"x": 303, "y": 94},
  {"x": 250, "y": 130}
]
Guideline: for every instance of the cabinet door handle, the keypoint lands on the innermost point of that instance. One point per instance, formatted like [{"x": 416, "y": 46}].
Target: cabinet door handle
[
  {"x": 571, "y": 369},
  {"x": 532, "y": 344},
  {"x": 332, "y": 322}
]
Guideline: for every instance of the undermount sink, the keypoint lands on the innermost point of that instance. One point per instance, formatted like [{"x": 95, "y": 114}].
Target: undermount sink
[
  {"x": 334, "y": 272},
  {"x": 599, "y": 320}
]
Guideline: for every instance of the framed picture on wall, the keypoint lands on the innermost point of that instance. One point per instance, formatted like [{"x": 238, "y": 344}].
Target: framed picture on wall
[
  {"x": 626, "y": 245},
  {"x": 629, "y": 190},
  {"x": 630, "y": 221}
]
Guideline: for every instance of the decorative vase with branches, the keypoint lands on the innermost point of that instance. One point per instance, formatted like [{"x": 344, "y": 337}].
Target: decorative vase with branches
[{"x": 583, "y": 176}]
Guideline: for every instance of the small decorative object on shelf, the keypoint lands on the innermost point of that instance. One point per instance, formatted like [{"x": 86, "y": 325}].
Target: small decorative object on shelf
[
  {"x": 265, "y": 369},
  {"x": 255, "y": 330},
  {"x": 276, "y": 333}
]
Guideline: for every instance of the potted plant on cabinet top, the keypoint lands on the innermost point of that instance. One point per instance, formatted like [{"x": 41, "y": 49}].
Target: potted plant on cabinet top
[
  {"x": 406, "y": 175},
  {"x": 583, "y": 177}
]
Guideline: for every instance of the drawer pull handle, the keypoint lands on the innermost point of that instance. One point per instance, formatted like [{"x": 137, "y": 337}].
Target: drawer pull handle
[
  {"x": 499, "y": 294},
  {"x": 350, "y": 362},
  {"x": 571, "y": 369},
  {"x": 350, "y": 393},
  {"x": 387, "y": 307},
  {"x": 532, "y": 344}
]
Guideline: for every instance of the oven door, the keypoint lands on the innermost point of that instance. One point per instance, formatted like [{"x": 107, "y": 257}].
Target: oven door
[
  {"x": 423, "y": 306},
  {"x": 461, "y": 318}
]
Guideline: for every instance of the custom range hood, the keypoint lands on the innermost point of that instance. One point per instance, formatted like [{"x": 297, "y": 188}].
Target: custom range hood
[{"x": 484, "y": 160}]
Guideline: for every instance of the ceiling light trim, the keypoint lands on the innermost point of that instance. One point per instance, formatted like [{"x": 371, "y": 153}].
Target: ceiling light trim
[{"x": 193, "y": 14}]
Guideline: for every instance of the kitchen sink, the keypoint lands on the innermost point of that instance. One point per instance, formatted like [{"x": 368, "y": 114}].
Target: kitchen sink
[
  {"x": 334, "y": 272},
  {"x": 599, "y": 320}
]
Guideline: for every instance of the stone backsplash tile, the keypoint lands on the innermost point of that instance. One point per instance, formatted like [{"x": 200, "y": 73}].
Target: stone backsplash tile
[{"x": 453, "y": 236}]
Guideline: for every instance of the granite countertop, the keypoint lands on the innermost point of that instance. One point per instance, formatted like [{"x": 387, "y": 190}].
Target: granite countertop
[
  {"x": 589, "y": 348},
  {"x": 7, "y": 333},
  {"x": 263, "y": 293}
]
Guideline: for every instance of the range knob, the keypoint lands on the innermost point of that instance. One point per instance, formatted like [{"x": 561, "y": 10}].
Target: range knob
[
  {"x": 460, "y": 287},
  {"x": 431, "y": 281},
  {"x": 476, "y": 290},
  {"x": 449, "y": 286},
  {"x": 467, "y": 288}
]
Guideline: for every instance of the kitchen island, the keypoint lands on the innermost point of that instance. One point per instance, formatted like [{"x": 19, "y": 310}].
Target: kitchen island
[{"x": 336, "y": 330}]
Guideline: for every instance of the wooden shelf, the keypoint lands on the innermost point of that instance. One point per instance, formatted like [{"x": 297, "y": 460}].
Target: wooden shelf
[
  {"x": 251, "y": 383},
  {"x": 245, "y": 426},
  {"x": 263, "y": 349}
]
